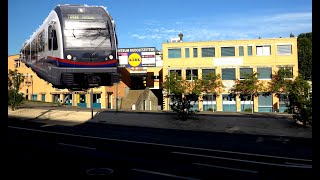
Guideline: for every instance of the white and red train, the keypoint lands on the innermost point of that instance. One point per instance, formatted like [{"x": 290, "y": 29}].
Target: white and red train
[{"x": 74, "y": 48}]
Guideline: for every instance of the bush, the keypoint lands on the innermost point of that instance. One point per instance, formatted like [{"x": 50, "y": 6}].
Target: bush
[
  {"x": 14, "y": 99},
  {"x": 210, "y": 109},
  {"x": 248, "y": 110},
  {"x": 183, "y": 107}
]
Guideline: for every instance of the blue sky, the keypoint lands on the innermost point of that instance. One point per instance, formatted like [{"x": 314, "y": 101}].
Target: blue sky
[{"x": 149, "y": 23}]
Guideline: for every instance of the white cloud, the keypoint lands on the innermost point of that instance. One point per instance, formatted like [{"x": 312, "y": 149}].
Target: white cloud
[
  {"x": 290, "y": 17},
  {"x": 246, "y": 26}
]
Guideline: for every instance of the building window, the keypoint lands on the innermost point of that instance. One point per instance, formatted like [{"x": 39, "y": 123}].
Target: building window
[
  {"x": 241, "y": 51},
  {"x": 206, "y": 72},
  {"x": 264, "y": 50},
  {"x": 195, "y": 52},
  {"x": 288, "y": 71},
  {"x": 96, "y": 98},
  {"x": 284, "y": 49},
  {"x": 17, "y": 63},
  {"x": 192, "y": 74},
  {"x": 264, "y": 73},
  {"x": 249, "y": 50},
  {"x": 227, "y": 51},
  {"x": 244, "y": 71},
  {"x": 174, "y": 53},
  {"x": 187, "y": 52},
  {"x": 177, "y": 73},
  {"x": 34, "y": 97},
  {"x": 228, "y": 74},
  {"x": 208, "y": 52}
]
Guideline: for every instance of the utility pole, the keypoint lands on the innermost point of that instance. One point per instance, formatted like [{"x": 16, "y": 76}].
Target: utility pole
[
  {"x": 91, "y": 102},
  {"x": 117, "y": 97}
]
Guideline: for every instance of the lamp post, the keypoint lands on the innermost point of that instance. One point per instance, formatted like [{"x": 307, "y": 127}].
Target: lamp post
[
  {"x": 117, "y": 97},
  {"x": 91, "y": 102}
]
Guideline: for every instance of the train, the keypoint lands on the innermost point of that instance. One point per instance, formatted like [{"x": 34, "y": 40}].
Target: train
[{"x": 75, "y": 48}]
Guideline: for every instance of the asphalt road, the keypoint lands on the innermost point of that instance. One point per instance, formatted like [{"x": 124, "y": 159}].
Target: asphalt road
[{"x": 124, "y": 152}]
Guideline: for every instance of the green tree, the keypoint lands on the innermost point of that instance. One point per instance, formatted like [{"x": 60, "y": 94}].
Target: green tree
[
  {"x": 182, "y": 93},
  {"x": 291, "y": 35},
  {"x": 305, "y": 55},
  {"x": 300, "y": 98},
  {"x": 14, "y": 82},
  {"x": 248, "y": 86},
  {"x": 280, "y": 84},
  {"x": 212, "y": 84}
]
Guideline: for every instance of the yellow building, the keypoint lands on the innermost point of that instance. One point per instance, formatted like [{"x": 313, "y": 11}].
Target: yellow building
[
  {"x": 37, "y": 89},
  {"x": 105, "y": 97},
  {"x": 231, "y": 59}
]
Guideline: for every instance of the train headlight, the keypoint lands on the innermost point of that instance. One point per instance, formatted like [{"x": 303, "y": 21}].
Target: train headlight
[
  {"x": 110, "y": 56},
  {"x": 69, "y": 56}
]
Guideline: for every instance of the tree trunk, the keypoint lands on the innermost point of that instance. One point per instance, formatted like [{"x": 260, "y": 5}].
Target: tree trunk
[
  {"x": 212, "y": 102},
  {"x": 251, "y": 105}
]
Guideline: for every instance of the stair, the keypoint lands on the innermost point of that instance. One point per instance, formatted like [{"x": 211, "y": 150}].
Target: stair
[{"x": 130, "y": 99}]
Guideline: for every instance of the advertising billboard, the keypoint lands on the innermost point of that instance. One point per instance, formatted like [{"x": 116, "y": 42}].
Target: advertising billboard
[{"x": 137, "y": 57}]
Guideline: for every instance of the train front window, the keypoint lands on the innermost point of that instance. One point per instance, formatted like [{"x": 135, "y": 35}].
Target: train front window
[{"x": 86, "y": 33}]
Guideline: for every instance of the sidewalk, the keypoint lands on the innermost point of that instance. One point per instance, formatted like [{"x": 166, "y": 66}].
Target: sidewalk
[{"x": 230, "y": 122}]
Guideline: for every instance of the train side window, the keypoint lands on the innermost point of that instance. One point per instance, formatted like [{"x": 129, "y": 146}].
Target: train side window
[
  {"x": 49, "y": 38},
  {"x": 55, "y": 41},
  {"x": 52, "y": 38}
]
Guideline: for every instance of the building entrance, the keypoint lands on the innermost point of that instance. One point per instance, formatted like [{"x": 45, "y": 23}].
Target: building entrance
[{"x": 138, "y": 82}]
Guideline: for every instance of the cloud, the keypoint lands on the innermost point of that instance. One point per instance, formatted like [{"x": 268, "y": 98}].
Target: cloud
[
  {"x": 290, "y": 17},
  {"x": 224, "y": 28},
  {"x": 139, "y": 36}
]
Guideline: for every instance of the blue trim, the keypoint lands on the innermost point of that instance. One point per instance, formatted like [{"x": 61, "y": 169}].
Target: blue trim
[
  {"x": 84, "y": 105},
  {"x": 97, "y": 105},
  {"x": 229, "y": 108}
]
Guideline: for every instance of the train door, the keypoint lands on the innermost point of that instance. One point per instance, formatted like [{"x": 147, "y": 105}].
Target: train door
[{"x": 52, "y": 41}]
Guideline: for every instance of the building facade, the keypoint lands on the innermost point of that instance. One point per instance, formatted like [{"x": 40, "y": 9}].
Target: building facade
[
  {"x": 36, "y": 89},
  {"x": 105, "y": 97},
  {"x": 231, "y": 59}
]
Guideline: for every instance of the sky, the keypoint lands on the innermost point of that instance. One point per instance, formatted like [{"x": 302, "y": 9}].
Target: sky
[{"x": 149, "y": 23}]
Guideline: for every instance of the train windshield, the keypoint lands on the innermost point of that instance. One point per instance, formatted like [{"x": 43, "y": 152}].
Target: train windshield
[{"x": 86, "y": 31}]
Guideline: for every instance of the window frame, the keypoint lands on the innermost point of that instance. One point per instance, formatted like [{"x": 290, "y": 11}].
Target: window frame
[
  {"x": 203, "y": 74},
  {"x": 241, "y": 77},
  {"x": 195, "y": 52},
  {"x": 259, "y": 78},
  {"x": 263, "y": 50},
  {"x": 185, "y": 52},
  {"x": 285, "y": 67},
  {"x": 214, "y": 52},
  {"x": 234, "y": 51},
  {"x": 249, "y": 47},
  {"x": 192, "y": 77},
  {"x": 169, "y": 57},
  {"x": 241, "y": 50},
  {"x": 284, "y": 54},
  {"x": 234, "y": 78}
]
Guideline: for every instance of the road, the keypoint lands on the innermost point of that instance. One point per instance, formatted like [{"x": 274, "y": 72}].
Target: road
[{"x": 36, "y": 149}]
